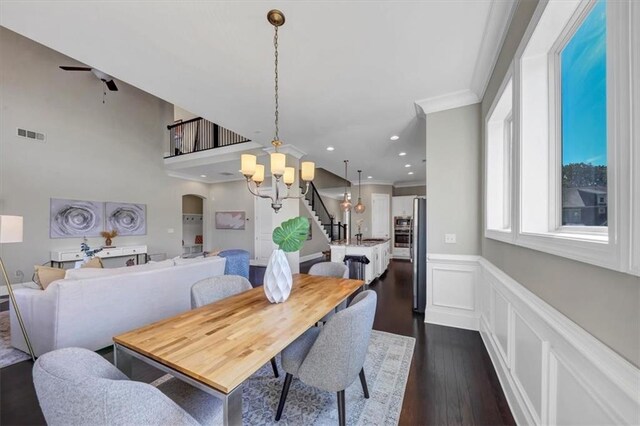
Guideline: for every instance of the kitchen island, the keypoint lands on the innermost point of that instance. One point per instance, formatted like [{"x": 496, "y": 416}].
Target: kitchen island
[{"x": 377, "y": 250}]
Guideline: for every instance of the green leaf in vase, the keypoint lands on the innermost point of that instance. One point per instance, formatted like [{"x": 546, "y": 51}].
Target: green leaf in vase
[{"x": 291, "y": 234}]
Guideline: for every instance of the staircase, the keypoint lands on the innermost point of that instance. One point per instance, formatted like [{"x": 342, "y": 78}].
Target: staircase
[{"x": 332, "y": 229}]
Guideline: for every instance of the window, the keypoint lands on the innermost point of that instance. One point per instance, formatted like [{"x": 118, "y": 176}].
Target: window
[
  {"x": 583, "y": 111},
  {"x": 573, "y": 120},
  {"x": 499, "y": 137}
]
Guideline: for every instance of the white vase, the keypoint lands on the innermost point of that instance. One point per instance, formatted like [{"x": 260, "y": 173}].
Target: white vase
[{"x": 277, "y": 278}]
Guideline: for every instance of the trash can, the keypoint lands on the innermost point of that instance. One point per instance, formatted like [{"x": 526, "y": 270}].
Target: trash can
[{"x": 356, "y": 265}]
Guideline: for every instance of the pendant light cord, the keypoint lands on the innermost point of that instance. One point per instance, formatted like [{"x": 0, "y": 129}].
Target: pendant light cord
[{"x": 275, "y": 45}]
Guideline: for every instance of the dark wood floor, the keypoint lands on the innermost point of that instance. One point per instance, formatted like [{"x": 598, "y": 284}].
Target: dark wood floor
[{"x": 451, "y": 381}]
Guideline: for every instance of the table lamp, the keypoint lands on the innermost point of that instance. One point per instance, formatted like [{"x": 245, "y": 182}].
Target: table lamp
[{"x": 11, "y": 232}]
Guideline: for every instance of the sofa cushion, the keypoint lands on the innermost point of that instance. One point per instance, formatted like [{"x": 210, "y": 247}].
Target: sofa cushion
[
  {"x": 45, "y": 275},
  {"x": 95, "y": 262}
]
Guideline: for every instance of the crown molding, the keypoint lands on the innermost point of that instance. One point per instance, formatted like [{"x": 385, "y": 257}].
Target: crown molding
[
  {"x": 371, "y": 182},
  {"x": 288, "y": 149},
  {"x": 495, "y": 32},
  {"x": 444, "y": 102},
  {"x": 408, "y": 184}
]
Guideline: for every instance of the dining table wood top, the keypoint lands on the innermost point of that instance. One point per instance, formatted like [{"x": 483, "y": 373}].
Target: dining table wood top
[{"x": 223, "y": 343}]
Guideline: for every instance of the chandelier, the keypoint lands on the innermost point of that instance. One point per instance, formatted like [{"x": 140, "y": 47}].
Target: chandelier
[
  {"x": 345, "y": 205},
  {"x": 359, "y": 208},
  {"x": 253, "y": 172}
]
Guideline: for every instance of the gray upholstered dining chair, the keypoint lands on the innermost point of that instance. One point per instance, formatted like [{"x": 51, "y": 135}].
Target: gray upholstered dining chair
[
  {"x": 331, "y": 269},
  {"x": 212, "y": 289},
  {"x": 76, "y": 386},
  {"x": 330, "y": 358}
]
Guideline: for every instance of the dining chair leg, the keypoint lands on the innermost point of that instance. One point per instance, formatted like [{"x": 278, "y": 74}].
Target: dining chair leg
[
  {"x": 283, "y": 395},
  {"x": 275, "y": 367},
  {"x": 342, "y": 418},
  {"x": 363, "y": 381}
]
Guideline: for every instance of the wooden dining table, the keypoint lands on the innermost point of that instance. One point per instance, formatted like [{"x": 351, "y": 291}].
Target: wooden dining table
[{"x": 218, "y": 346}]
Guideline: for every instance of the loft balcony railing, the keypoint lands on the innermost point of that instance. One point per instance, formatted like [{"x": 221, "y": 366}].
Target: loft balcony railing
[{"x": 198, "y": 134}]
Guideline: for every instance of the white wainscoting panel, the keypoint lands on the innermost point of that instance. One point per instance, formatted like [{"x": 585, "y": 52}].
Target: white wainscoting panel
[
  {"x": 451, "y": 291},
  {"x": 551, "y": 370}
]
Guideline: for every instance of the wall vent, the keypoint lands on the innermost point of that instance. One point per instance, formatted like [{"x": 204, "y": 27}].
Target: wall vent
[{"x": 31, "y": 134}]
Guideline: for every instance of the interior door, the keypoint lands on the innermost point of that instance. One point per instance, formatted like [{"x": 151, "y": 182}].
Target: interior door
[
  {"x": 264, "y": 245},
  {"x": 380, "y": 220}
]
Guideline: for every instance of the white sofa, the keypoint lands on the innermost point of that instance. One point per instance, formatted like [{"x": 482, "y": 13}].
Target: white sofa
[{"x": 88, "y": 312}]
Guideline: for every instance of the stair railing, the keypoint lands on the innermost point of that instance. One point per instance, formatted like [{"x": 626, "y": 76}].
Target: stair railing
[{"x": 335, "y": 229}]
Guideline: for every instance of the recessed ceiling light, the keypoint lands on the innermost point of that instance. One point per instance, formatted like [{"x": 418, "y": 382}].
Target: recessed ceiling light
[
  {"x": 394, "y": 137},
  {"x": 330, "y": 148},
  {"x": 402, "y": 154},
  {"x": 410, "y": 173},
  {"x": 203, "y": 175},
  {"x": 407, "y": 165},
  {"x": 369, "y": 177}
]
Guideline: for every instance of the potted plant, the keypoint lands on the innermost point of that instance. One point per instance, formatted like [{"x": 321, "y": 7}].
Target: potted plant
[{"x": 289, "y": 237}]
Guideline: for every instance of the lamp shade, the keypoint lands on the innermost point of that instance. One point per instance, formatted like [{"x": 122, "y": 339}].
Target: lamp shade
[
  {"x": 248, "y": 164},
  {"x": 289, "y": 175},
  {"x": 278, "y": 161},
  {"x": 10, "y": 229},
  {"x": 308, "y": 169},
  {"x": 258, "y": 176}
]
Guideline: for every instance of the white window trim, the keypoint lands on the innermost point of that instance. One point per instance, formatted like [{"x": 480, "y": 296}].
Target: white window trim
[
  {"x": 634, "y": 255},
  {"x": 505, "y": 235},
  {"x": 612, "y": 249}
]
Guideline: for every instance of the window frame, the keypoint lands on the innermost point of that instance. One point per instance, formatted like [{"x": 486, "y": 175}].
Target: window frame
[
  {"x": 555, "y": 137},
  {"x": 615, "y": 248},
  {"x": 505, "y": 234}
]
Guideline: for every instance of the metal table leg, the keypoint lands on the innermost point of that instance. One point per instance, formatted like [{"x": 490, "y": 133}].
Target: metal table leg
[
  {"x": 122, "y": 360},
  {"x": 232, "y": 407}
]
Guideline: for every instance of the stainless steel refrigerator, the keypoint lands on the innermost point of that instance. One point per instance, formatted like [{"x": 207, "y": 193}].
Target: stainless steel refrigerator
[{"x": 418, "y": 250}]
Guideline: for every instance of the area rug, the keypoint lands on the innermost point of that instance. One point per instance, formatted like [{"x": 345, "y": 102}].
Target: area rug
[
  {"x": 386, "y": 367},
  {"x": 8, "y": 354}
]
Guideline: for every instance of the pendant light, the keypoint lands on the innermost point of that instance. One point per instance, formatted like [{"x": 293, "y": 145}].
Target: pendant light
[
  {"x": 253, "y": 172},
  {"x": 345, "y": 205},
  {"x": 359, "y": 208}
]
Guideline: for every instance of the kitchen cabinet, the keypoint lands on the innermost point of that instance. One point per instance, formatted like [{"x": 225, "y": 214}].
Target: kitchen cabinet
[{"x": 378, "y": 253}]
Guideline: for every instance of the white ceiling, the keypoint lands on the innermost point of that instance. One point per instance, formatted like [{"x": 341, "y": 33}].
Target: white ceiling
[{"x": 350, "y": 72}]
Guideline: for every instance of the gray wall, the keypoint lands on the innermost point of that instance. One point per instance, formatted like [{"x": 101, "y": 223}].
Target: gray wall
[
  {"x": 94, "y": 151},
  {"x": 191, "y": 204},
  {"x": 604, "y": 302},
  {"x": 410, "y": 190},
  {"x": 366, "y": 192},
  {"x": 453, "y": 177},
  {"x": 325, "y": 179},
  {"x": 233, "y": 196}
]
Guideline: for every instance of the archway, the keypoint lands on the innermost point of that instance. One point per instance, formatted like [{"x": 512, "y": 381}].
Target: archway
[{"x": 193, "y": 225}]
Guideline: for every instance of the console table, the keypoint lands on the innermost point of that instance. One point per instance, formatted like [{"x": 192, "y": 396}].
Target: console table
[{"x": 59, "y": 257}]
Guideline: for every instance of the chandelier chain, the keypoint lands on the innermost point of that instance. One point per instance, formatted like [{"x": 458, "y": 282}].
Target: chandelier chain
[{"x": 275, "y": 45}]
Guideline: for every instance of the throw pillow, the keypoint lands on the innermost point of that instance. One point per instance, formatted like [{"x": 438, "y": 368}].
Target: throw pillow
[
  {"x": 45, "y": 275},
  {"x": 95, "y": 262}
]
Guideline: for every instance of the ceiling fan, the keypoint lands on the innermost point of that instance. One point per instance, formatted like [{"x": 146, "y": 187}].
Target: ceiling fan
[{"x": 105, "y": 78}]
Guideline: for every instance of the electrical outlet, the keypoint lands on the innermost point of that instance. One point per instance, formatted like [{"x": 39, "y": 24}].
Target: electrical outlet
[{"x": 450, "y": 238}]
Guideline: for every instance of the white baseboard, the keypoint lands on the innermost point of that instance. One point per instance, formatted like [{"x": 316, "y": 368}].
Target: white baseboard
[
  {"x": 451, "y": 320},
  {"x": 311, "y": 256},
  {"x": 552, "y": 371}
]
